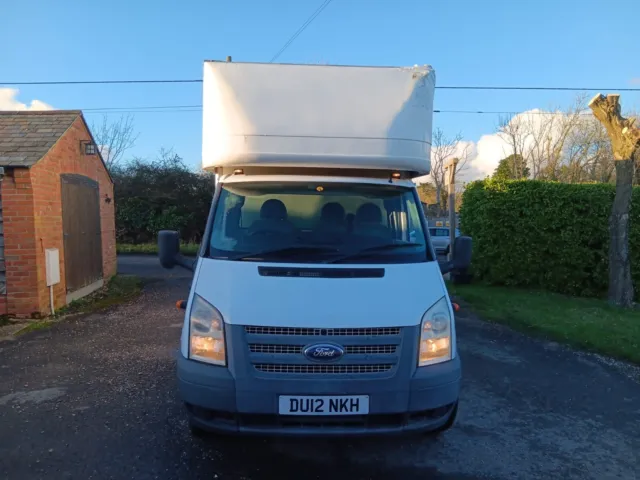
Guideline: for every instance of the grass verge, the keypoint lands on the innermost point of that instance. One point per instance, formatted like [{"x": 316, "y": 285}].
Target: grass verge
[
  {"x": 119, "y": 289},
  {"x": 590, "y": 324},
  {"x": 152, "y": 248}
]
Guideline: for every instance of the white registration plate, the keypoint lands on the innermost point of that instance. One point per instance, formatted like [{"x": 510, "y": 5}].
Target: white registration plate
[{"x": 324, "y": 405}]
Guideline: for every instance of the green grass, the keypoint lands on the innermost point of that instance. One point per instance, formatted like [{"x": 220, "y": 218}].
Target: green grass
[
  {"x": 119, "y": 289},
  {"x": 152, "y": 248},
  {"x": 590, "y": 324},
  {"x": 34, "y": 326}
]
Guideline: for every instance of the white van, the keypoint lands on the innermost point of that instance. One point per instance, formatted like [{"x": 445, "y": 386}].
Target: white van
[{"x": 317, "y": 305}]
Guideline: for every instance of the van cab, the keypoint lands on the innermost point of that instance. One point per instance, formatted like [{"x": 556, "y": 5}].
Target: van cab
[{"x": 317, "y": 305}]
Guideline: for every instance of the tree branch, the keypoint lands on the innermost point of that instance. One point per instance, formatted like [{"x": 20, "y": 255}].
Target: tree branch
[{"x": 625, "y": 137}]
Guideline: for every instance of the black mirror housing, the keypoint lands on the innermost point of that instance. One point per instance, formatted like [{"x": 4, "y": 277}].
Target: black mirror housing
[
  {"x": 462, "y": 247},
  {"x": 169, "y": 250},
  {"x": 168, "y": 247}
]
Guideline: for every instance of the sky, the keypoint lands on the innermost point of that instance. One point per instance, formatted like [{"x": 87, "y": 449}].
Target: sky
[{"x": 567, "y": 43}]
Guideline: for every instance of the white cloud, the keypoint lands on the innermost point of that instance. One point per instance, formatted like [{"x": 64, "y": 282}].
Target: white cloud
[
  {"x": 464, "y": 149},
  {"x": 484, "y": 155},
  {"x": 635, "y": 81},
  {"x": 8, "y": 101},
  {"x": 489, "y": 150}
]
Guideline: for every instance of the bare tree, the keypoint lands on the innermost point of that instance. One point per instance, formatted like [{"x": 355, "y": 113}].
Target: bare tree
[
  {"x": 588, "y": 155},
  {"x": 549, "y": 134},
  {"x": 444, "y": 148},
  {"x": 114, "y": 138},
  {"x": 625, "y": 143},
  {"x": 513, "y": 130}
]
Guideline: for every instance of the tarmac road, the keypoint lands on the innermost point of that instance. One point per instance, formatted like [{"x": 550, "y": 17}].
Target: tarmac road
[{"x": 95, "y": 398}]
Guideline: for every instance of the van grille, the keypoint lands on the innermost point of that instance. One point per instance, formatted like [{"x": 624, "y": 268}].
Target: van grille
[
  {"x": 329, "y": 332},
  {"x": 322, "y": 369},
  {"x": 297, "y": 349},
  {"x": 279, "y": 350}
]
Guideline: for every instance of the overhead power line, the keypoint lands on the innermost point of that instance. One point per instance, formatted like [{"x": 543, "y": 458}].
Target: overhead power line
[
  {"x": 553, "y": 89},
  {"x": 301, "y": 29},
  {"x": 495, "y": 112},
  {"x": 440, "y": 87},
  {"x": 98, "y": 82},
  {"x": 198, "y": 108},
  {"x": 169, "y": 107}
]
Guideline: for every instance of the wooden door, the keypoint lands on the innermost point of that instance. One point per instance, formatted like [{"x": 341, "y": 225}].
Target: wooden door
[{"x": 81, "y": 230}]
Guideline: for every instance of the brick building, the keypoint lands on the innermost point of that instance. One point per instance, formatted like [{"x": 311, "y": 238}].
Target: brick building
[{"x": 55, "y": 193}]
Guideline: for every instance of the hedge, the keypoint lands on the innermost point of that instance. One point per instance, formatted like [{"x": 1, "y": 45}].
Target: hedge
[
  {"x": 547, "y": 235},
  {"x": 160, "y": 194}
]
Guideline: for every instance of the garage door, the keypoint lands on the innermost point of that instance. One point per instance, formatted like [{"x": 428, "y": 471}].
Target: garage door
[{"x": 81, "y": 229}]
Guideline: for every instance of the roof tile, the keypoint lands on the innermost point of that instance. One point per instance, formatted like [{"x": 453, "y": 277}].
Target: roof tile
[{"x": 26, "y": 136}]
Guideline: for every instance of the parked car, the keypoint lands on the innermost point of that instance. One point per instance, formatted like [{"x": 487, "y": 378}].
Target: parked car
[{"x": 440, "y": 239}]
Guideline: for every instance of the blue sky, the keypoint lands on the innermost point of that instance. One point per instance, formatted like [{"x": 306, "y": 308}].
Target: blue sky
[{"x": 468, "y": 42}]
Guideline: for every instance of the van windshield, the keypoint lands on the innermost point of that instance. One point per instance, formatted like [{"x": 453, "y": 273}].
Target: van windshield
[{"x": 317, "y": 223}]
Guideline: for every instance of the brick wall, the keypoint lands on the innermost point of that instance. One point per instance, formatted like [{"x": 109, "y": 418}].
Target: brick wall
[
  {"x": 19, "y": 244},
  {"x": 32, "y": 214},
  {"x": 67, "y": 156}
]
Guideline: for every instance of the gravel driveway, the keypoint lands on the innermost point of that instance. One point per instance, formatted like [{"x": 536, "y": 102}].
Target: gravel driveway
[{"x": 95, "y": 397}]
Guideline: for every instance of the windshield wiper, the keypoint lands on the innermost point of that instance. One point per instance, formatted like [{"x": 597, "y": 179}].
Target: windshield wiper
[
  {"x": 282, "y": 250},
  {"x": 375, "y": 248}
]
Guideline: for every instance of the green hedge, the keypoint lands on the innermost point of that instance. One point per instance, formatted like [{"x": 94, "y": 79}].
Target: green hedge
[{"x": 544, "y": 234}]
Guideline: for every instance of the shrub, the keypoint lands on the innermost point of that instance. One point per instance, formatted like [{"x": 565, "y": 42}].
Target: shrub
[
  {"x": 160, "y": 194},
  {"x": 544, "y": 234}
]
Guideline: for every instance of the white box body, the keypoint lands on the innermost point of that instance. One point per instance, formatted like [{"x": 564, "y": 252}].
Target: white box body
[
  {"x": 52, "y": 266},
  {"x": 317, "y": 116}
]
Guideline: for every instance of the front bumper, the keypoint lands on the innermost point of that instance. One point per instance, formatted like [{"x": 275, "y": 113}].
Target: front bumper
[{"x": 217, "y": 401}]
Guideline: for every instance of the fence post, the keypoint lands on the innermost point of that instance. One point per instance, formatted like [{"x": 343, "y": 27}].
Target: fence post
[{"x": 451, "y": 189}]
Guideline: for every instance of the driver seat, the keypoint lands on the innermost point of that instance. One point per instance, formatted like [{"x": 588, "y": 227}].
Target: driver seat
[{"x": 273, "y": 219}]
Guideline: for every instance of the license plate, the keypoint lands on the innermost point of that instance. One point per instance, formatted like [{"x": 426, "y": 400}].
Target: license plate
[{"x": 324, "y": 405}]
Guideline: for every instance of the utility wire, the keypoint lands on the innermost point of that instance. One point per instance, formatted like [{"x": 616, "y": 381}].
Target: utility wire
[
  {"x": 198, "y": 108},
  {"x": 143, "y": 108},
  {"x": 555, "y": 89},
  {"x": 494, "y": 112},
  {"x": 301, "y": 29},
  {"x": 440, "y": 87},
  {"x": 99, "y": 82}
]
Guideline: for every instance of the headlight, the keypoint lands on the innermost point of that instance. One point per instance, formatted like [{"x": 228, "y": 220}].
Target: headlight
[
  {"x": 206, "y": 333},
  {"x": 435, "y": 334}
]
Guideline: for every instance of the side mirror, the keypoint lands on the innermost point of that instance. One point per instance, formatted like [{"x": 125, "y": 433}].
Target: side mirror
[
  {"x": 461, "y": 261},
  {"x": 169, "y": 250},
  {"x": 462, "y": 253}
]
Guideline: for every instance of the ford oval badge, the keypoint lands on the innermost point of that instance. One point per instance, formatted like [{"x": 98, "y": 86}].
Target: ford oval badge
[{"x": 323, "y": 352}]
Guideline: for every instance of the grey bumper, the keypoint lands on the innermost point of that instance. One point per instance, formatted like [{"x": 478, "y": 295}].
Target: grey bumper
[{"x": 217, "y": 401}]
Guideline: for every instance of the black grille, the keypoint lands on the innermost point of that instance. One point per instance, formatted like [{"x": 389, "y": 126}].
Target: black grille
[
  {"x": 330, "y": 332},
  {"x": 323, "y": 369},
  {"x": 349, "y": 349},
  {"x": 256, "y": 348},
  {"x": 321, "y": 272}
]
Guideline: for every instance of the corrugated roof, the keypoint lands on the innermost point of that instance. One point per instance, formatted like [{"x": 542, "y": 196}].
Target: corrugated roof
[{"x": 26, "y": 136}]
